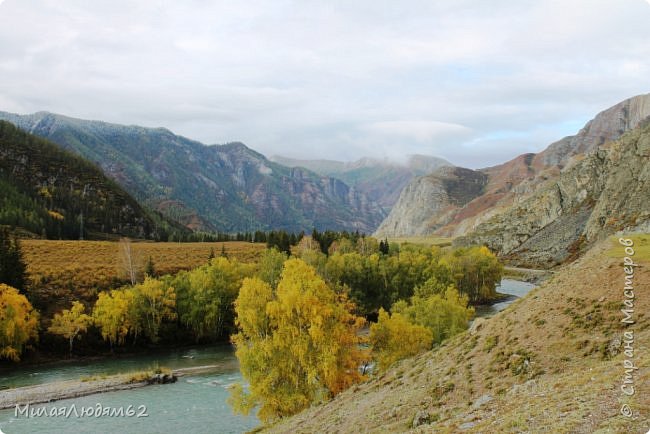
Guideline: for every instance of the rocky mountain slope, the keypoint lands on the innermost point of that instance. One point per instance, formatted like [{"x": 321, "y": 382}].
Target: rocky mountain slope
[
  {"x": 514, "y": 180},
  {"x": 380, "y": 180},
  {"x": 428, "y": 199},
  {"x": 56, "y": 194},
  {"x": 550, "y": 362},
  {"x": 598, "y": 194},
  {"x": 227, "y": 188}
]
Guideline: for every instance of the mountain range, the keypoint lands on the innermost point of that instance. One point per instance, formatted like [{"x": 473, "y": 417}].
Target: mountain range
[
  {"x": 233, "y": 188},
  {"x": 220, "y": 187}
]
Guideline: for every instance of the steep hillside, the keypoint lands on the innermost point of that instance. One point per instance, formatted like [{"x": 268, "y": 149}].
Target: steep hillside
[
  {"x": 604, "y": 192},
  {"x": 518, "y": 178},
  {"x": 56, "y": 194},
  {"x": 227, "y": 188},
  {"x": 380, "y": 180},
  {"x": 550, "y": 362}
]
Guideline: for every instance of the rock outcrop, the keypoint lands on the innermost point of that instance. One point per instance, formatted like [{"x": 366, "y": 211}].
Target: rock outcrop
[
  {"x": 426, "y": 202},
  {"x": 380, "y": 180}
]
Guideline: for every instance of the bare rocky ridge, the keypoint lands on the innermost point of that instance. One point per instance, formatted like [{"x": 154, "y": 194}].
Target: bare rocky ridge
[
  {"x": 608, "y": 125},
  {"x": 380, "y": 180},
  {"x": 509, "y": 183},
  {"x": 603, "y": 192}
]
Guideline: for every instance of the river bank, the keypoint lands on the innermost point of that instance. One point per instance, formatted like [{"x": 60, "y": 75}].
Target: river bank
[
  {"x": 530, "y": 275},
  {"x": 196, "y": 402},
  {"x": 55, "y": 391}
]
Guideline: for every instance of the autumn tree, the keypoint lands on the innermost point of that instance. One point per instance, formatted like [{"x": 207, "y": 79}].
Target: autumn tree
[
  {"x": 70, "y": 323},
  {"x": 296, "y": 345},
  {"x": 113, "y": 315},
  {"x": 206, "y": 295},
  {"x": 475, "y": 271},
  {"x": 130, "y": 260},
  {"x": 270, "y": 266},
  {"x": 154, "y": 302},
  {"x": 394, "y": 337},
  {"x": 18, "y": 323},
  {"x": 445, "y": 315}
]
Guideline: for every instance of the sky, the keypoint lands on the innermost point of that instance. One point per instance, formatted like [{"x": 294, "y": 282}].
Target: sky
[{"x": 476, "y": 82}]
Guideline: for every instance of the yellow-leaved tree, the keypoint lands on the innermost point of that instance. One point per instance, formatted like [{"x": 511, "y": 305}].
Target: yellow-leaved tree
[
  {"x": 113, "y": 315},
  {"x": 154, "y": 301},
  {"x": 445, "y": 315},
  {"x": 206, "y": 294},
  {"x": 296, "y": 345},
  {"x": 412, "y": 327},
  {"x": 394, "y": 337},
  {"x": 18, "y": 322},
  {"x": 70, "y": 323}
]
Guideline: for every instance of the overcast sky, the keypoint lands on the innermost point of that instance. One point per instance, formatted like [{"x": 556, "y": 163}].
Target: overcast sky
[{"x": 476, "y": 82}]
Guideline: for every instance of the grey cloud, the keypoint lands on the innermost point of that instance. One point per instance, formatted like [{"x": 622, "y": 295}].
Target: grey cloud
[{"x": 473, "y": 81}]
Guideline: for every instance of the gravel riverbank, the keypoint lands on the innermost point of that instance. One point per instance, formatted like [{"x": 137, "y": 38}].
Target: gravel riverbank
[{"x": 68, "y": 389}]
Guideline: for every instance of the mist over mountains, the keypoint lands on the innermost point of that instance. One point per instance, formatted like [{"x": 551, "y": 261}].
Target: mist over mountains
[{"x": 381, "y": 180}]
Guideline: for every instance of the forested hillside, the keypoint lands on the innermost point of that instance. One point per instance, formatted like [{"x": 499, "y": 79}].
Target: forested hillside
[{"x": 53, "y": 193}]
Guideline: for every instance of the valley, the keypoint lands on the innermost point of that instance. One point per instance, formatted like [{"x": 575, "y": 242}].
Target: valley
[
  {"x": 401, "y": 331},
  {"x": 325, "y": 217}
]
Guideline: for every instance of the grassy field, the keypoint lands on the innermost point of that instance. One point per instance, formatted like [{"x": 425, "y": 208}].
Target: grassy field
[
  {"x": 61, "y": 271},
  {"x": 428, "y": 240},
  {"x": 641, "y": 247}
]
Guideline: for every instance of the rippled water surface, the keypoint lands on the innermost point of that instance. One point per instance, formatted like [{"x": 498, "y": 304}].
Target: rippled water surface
[{"x": 194, "y": 404}]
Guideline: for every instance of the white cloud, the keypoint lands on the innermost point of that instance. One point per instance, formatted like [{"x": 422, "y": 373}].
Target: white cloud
[
  {"x": 468, "y": 80},
  {"x": 421, "y": 131}
]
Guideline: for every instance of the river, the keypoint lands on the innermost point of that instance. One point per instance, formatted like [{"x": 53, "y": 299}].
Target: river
[
  {"x": 194, "y": 404},
  {"x": 515, "y": 288}
]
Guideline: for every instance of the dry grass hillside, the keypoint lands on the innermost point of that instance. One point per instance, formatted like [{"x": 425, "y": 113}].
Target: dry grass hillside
[{"x": 551, "y": 362}]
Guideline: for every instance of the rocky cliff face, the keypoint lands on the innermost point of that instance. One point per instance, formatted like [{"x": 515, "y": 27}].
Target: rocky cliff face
[
  {"x": 597, "y": 195},
  {"x": 514, "y": 181},
  {"x": 426, "y": 203},
  {"x": 227, "y": 187},
  {"x": 608, "y": 125}
]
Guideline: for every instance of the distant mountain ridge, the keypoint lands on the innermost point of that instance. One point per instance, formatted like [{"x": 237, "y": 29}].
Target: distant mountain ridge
[
  {"x": 381, "y": 180},
  {"x": 221, "y": 187},
  {"x": 510, "y": 183}
]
